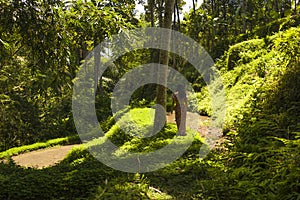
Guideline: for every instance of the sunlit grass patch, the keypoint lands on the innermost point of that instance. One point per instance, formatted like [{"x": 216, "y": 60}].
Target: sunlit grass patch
[
  {"x": 119, "y": 144},
  {"x": 39, "y": 145}
]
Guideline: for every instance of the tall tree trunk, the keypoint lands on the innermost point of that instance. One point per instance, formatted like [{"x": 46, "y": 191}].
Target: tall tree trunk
[
  {"x": 161, "y": 91},
  {"x": 244, "y": 10},
  {"x": 178, "y": 15},
  {"x": 194, "y": 6},
  {"x": 151, "y": 8},
  {"x": 154, "y": 52},
  {"x": 276, "y": 5},
  {"x": 160, "y": 12},
  {"x": 98, "y": 84},
  {"x": 96, "y": 65}
]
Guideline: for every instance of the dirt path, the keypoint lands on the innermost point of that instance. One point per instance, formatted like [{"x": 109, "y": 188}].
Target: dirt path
[
  {"x": 43, "y": 157},
  {"x": 51, "y": 156},
  {"x": 213, "y": 136},
  {"x": 194, "y": 121}
]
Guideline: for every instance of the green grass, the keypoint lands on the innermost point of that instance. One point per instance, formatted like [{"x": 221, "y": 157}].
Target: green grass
[
  {"x": 39, "y": 145},
  {"x": 81, "y": 176},
  {"x": 250, "y": 70}
]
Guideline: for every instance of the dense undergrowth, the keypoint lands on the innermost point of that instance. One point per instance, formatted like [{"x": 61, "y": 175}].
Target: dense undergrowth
[
  {"x": 263, "y": 85},
  {"x": 252, "y": 71},
  {"x": 259, "y": 160},
  {"x": 80, "y": 175}
]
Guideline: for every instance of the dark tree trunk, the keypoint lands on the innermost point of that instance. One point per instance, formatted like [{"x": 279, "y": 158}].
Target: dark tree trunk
[{"x": 161, "y": 94}]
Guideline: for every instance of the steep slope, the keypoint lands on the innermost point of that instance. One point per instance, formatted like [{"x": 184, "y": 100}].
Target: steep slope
[{"x": 252, "y": 71}]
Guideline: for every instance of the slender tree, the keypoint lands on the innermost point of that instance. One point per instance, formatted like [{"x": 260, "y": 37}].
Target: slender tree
[{"x": 161, "y": 95}]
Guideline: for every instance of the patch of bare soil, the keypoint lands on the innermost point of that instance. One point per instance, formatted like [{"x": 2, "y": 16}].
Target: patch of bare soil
[
  {"x": 194, "y": 121},
  {"x": 43, "y": 157},
  {"x": 201, "y": 124}
]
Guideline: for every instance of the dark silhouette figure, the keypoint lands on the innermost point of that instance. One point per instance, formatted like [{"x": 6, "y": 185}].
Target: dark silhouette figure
[{"x": 179, "y": 104}]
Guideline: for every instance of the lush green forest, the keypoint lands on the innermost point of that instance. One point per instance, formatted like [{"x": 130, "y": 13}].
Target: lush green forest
[{"x": 256, "y": 49}]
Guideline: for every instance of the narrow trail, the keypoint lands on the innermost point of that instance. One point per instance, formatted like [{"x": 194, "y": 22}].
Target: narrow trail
[
  {"x": 50, "y": 156},
  {"x": 194, "y": 121},
  {"x": 43, "y": 157},
  {"x": 201, "y": 124}
]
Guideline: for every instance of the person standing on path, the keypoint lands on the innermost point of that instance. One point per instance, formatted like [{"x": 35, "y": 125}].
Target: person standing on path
[{"x": 179, "y": 104}]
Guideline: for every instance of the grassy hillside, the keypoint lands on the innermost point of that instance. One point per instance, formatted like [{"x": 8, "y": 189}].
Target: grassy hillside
[
  {"x": 262, "y": 79},
  {"x": 252, "y": 71}
]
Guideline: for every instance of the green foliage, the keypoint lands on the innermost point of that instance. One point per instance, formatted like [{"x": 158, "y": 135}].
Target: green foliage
[
  {"x": 39, "y": 145},
  {"x": 42, "y": 44},
  {"x": 81, "y": 176},
  {"x": 218, "y": 24},
  {"x": 245, "y": 52},
  {"x": 251, "y": 71},
  {"x": 275, "y": 26},
  {"x": 136, "y": 129},
  {"x": 262, "y": 159}
]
